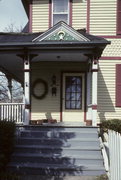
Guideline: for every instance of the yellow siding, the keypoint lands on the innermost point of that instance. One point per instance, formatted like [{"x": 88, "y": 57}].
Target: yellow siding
[
  {"x": 103, "y": 17},
  {"x": 40, "y": 15},
  {"x": 79, "y": 14},
  {"x": 114, "y": 49},
  {"x": 49, "y": 107},
  {"x": 106, "y": 90}
]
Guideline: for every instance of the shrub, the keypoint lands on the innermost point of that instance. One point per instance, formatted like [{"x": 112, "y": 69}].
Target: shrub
[
  {"x": 7, "y": 132},
  {"x": 114, "y": 124}
]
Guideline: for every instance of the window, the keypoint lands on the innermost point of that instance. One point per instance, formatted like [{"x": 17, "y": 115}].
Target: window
[
  {"x": 73, "y": 92},
  {"x": 60, "y": 11},
  {"x": 118, "y": 85},
  {"x": 119, "y": 17}
]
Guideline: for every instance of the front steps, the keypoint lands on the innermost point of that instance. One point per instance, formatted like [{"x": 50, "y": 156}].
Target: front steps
[{"x": 57, "y": 151}]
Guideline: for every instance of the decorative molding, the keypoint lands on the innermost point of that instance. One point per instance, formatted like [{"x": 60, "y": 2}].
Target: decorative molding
[
  {"x": 110, "y": 58},
  {"x": 27, "y": 106},
  {"x": 30, "y": 17},
  {"x": 88, "y": 16},
  {"x": 94, "y": 107},
  {"x": 70, "y": 12},
  {"x": 94, "y": 70},
  {"x": 111, "y": 37},
  {"x": 50, "y": 13},
  {"x": 26, "y": 70}
]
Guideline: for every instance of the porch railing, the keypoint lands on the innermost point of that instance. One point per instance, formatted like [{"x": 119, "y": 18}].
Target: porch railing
[{"x": 12, "y": 112}]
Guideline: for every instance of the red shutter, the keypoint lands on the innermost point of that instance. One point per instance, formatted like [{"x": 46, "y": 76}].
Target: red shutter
[
  {"x": 118, "y": 85},
  {"x": 119, "y": 17}
]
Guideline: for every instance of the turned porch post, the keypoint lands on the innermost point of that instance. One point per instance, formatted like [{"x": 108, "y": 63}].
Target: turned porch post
[
  {"x": 94, "y": 91},
  {"x": 27, "y": 88}
]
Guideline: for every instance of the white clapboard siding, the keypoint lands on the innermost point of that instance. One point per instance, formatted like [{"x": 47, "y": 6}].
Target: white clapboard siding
[
  {"x": 49, "y": 107},
  {"x": 106, "y": 90},
  {"x": 40, "y": 15},
  {"x": 103, "y": 17},
  {"x": 79, "y": 14}
]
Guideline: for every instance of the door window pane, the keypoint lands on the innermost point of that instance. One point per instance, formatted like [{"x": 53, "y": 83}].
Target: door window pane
[{"x": 73, "y": 92}]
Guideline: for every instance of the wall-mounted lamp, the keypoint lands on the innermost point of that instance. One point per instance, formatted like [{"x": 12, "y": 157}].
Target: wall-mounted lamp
[{"x": 54, "y": 86}]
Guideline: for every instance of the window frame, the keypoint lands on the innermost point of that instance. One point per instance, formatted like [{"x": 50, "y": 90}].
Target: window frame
[
  {"x": 118, "y": 26},
  {"x": 68, "y": 13}
]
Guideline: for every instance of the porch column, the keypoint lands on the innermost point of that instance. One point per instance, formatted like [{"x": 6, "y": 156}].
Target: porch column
[
  {"x": 94, "y": 92},
  {"x": 27, "y": 88}
]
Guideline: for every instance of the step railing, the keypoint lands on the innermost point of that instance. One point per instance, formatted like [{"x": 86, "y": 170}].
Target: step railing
[{"x": 12, "y": 112}]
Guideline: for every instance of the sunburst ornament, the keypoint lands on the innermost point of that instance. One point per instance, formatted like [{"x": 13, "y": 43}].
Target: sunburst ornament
[{"x": 61, "y": 35}]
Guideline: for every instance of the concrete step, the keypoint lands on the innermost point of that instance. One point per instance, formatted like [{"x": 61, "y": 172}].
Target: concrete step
[
  {"x": 55, "y": 169},
  {"x": 58, "y": 134},
  {"x": 91, "y": 151},
  {"x": 47, "y": 177},
  {"x": 57, "y": 150},
  {"x": 59, "y": 142},
  {"x": 58, "y": 128},
  {"x": 38, "y": 158}
]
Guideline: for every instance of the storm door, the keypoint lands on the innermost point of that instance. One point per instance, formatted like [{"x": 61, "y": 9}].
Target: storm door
[{"x": 73, "y": 97}]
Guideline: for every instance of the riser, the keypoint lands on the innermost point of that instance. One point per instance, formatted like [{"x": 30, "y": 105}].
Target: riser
[
  {"x": 58, "y": 143},
  {"x": 60, "y": 161},
  {"x": 56, "y": 172},
  {"x": 60, "y": 129},
  {"x": 62, "y": 152},
  {"x": 62, "y": 135}
]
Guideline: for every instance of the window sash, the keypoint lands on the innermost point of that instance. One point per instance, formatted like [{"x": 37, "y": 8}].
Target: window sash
[{"x": 54, "y": 13}]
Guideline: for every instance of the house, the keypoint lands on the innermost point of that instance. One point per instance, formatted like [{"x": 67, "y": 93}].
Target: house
[{"x": 69, "y": 62}]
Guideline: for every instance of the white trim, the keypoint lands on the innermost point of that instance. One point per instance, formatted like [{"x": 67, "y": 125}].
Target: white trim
[
  {"x": 61, "y": 26},
  {"x": 94, "y": 93},
  {"x": 27, "y": 90}
]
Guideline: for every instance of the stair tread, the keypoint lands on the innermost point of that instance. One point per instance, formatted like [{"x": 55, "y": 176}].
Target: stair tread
[
  {"x": 60, "y": 139},
  {"x": 57, "y": 156},
  {"x": 61, "y": 131},
  {"x": 55, "y": 166},
  {"x": 56, "y": 147}
]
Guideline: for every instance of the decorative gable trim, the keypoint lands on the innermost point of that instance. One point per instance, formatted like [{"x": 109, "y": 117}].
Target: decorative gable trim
[{"x": 62, "y": 32}]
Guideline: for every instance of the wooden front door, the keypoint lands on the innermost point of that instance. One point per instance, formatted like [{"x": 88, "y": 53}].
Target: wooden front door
[{"x": 73, "y": 97}]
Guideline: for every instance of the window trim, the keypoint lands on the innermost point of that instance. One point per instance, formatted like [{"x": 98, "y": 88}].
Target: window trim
[
  {"x": 118, "y": 32},
  {"x": 69, "y": 13}
]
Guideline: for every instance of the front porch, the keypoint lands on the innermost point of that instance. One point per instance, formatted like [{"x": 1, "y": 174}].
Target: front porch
[{"x": 59, "y": 70}]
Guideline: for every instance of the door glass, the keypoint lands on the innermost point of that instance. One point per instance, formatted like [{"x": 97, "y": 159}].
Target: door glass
[{"x": 73, "y": 92}]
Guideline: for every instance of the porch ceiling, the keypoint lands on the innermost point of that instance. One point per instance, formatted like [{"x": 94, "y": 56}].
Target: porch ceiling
[{"x": 61, "y": 56}]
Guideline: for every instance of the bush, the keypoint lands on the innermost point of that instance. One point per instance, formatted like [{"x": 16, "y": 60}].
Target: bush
[
  {"x": 7, "y": 132},
  {"x": 114, "y": 124}
]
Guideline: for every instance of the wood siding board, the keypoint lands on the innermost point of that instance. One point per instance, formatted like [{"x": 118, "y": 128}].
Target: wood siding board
[
  {"x": 103, "y": 10},
  {"x": 107, "y": 90}
]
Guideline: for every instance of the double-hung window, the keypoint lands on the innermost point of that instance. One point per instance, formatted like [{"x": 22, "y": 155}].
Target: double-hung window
[{"x": 60, "y": 11}]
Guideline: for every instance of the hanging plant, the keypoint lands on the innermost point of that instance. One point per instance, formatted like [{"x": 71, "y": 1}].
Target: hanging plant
[{"x": 45, "y": 86}]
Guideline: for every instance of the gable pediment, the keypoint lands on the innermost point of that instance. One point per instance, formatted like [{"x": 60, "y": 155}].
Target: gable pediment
[{"x": 61, "y": 32}]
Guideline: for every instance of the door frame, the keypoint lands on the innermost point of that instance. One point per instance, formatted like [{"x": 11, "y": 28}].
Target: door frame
[{"x": 61, "y": 92}]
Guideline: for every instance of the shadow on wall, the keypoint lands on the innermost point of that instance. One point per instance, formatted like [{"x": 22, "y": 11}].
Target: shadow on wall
[{"x": 105, "y": 103}]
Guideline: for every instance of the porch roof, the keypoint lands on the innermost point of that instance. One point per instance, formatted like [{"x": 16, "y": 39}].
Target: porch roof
[{"x": 81, "y": 44}]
